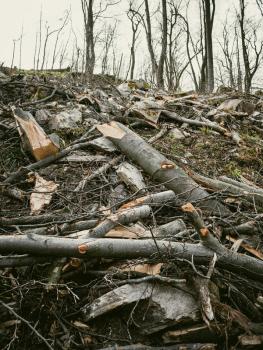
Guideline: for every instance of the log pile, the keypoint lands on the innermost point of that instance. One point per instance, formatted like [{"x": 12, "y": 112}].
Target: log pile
[{"x": 129, "y": 219}]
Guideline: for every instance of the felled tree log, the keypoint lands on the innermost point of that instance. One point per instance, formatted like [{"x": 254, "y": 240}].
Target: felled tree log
[
  {"x": 181, "y": 346},
  {"x": 207, "y": 124},
  {"x": 217, "y": 185},
  {"x": 166, "y": 231},
  {"x": 122, "y": 217},
  {"x": 33, "y": 136},
  {"x": 252, "y": 227},
  {"x": 122, "y": 248},
  {"x": 250, "y": 189},
  {"x": 153, "y": 199},
  {"x": 159, "y": 167}
]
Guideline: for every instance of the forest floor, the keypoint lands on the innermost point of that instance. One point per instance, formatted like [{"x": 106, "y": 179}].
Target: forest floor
[{"x": 57, "y": 296}]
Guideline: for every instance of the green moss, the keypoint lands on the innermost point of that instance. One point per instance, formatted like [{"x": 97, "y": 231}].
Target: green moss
[{"x": 233, "y": 169}]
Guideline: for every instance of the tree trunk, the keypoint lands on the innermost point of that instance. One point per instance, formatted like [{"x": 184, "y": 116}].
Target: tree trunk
[
  {"x": 247, "y": 78},
  {"x": 209, "y": 18},
  {"x": 149, "y": 39},
  {"x": 160, "y": 77}
]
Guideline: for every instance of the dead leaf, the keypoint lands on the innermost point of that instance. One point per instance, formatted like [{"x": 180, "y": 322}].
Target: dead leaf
[
  {"x": 246, "y": 246},
  {"x": 42, "y": 198},
  {"x": 149, "y": 269},
  {"x": 132, "y": 232}
]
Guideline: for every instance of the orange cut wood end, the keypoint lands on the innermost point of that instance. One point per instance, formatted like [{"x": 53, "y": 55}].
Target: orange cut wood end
[
  {"x": 204, "y": 232},
  {"x": 133, "y": 203},
  {"x": 83, "y": 248},
  {"x": 167, "y": 165},
  {"x": 188, "y": 208}
]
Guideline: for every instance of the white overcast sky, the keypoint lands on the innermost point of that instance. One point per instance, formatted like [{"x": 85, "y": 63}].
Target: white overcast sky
[{"x": 17, "y": 13}]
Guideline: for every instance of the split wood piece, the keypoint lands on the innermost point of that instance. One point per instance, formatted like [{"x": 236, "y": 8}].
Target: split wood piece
[
  {"x": 122, "y": 217},
  {"x": 207, "y": 124},
  {"x": 169, "y": 305},
  {"x": 159, "y": 167},
  {"x": 33, "y": 136},
  {"x": 122, "y": 248},
  {"x": 22, "y": 172},
  {"x": 217, "y": 185},
  {"x": 153, "y": 199},
  {"x": 96, "y": 173},
  {"x": 131, "y": 176}
]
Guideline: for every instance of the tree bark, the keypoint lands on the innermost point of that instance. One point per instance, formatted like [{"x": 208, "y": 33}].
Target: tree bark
[
  {"x": 122, "y": 248},
  {"x": 160, "y": 72},
  {"x": 148, "y": 29},
  {"x": 209, "y": 19}
]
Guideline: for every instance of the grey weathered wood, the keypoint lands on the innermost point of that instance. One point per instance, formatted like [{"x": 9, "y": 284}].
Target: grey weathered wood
[
  {"x": 168, "y": 305},
  {"x": 103, "y": 144},
  {"x": 131, "y": 176}
]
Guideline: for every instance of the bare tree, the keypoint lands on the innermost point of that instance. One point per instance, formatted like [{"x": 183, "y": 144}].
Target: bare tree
[
  {"x": 239, "y": 70},
  {"x": 87, "y": 10},
  {"x": 20, "y": 46},
  {"x": 208, "y": 28},
  {"x": 14, "y": 52},
  {"x": 148, "y": 30},
  {"x": 63, "y": 25},
  {"x": 228, "y": 49},
  {"x": 260, "y": 6},
  {"x": 107, "y": 40},
  {"x": 40, "y": 38},
  {"x": 135, "y": 19},
  {"x": 160, "y": 71},
  {"x": 48, "y": 35},
  {"x": 250, "y": 44}
]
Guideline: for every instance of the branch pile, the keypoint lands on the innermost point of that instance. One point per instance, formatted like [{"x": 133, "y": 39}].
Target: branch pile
[{"x": 129, "y": 218}]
